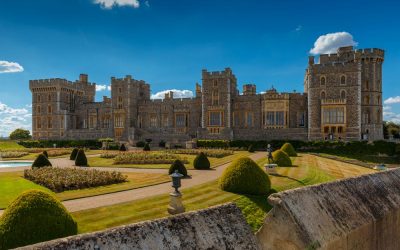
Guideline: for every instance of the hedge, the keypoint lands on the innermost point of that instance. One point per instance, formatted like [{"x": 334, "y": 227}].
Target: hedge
[
  {"x": 81, "y": 159},
  {"x": 146, "y": 147},
  {"x": 35, "y": 216},
  {"x": 92, "y": 144},
  {"x": 281, "y": 158},
  {"x": 177, "y": 165},
  {"x": 201, "y": 161},
  {"x": 288, "y": 149},
  {"x": 122, "y": 147},
  {"x": 74, "y": 152}
]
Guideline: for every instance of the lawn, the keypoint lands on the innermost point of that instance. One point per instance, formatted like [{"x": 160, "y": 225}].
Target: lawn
[
  {"x": 13, "y": 184},
  {"x": 102, "y": 162},
  {"x": 308, "y": 170},
  {"x": 7, "y": 145}
]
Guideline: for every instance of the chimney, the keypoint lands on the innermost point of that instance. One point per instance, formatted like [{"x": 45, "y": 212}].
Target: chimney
[{"x": 83, "y": 78}]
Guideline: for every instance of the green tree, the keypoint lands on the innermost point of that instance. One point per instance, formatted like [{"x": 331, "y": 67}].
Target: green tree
[{"x": 20, "y": 134}]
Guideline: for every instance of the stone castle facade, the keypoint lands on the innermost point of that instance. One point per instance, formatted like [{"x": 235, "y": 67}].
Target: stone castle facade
[{"x": 342, "y": 99}]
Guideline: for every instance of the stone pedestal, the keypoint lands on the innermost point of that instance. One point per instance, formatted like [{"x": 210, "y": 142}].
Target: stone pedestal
[
  {"x": 175, "y": 203},
  {"x": 270, "y": 168}
]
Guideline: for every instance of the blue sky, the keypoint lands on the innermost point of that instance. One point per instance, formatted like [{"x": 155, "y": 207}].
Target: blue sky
[{"x": 167, "y": 43}]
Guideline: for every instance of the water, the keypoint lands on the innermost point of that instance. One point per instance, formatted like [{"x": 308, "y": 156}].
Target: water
[{"x": 11, "y": 164}]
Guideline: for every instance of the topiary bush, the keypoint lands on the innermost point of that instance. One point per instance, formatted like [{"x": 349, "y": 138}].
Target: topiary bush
[
  {"x": 251, "y": 148},
  {"x": 35, "y": 216},
  {"x": 244, "y": 176},
  {"x": 146, "y": 147},
  {"x": 46, "y": 154},
  {"x": 81, "y": 159},
  {"x": 178, "y": 165},
  {"x": 201, "y": 161},
  {"x": 122, "y": 147},
  {"x": 289, "y": 149},
  {"x": 74, "y": 152},
  {"x": 140, "y": 144},
  {"x": 281, "y": 158},
  {"x": 161, "y": 144},
  {"x": 41, "y": 161}
]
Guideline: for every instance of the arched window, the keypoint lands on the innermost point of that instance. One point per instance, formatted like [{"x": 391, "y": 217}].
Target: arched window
[
  {"x": 322, "y": 80},
  {"x": 366, "y": 99},
  {"x": 323, "y": 96},
  {"x": 343, "y": 80},
  {"x": 343, "y": 94},
  {"x": 215, "y": 97}
]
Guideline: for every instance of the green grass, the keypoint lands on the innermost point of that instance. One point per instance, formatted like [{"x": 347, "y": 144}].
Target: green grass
[
  {"x": 13, "y": 184},
  {"x": 308, "y": 170},
  {"x": 102, "y": 162},
  {"x": 7, "y": 145}
]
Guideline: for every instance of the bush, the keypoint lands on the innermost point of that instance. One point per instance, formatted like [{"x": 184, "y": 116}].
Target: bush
[
  {"x": 46, "y": 154},
  {"x": 122, "y": 147},
  {"x": 140, "y": 144},
  {"x": 35, "y": 216},
  {"x": 217, "y": 153},
  {"x": 92, "y": 144},
  {"x": 161, "y": 144},
  {"x": 244, "y": 176},
  {"x": 281, "y": 158},
  {"x": 288, "y": 149},
  {"x": 81, "y": 159},
  {"x": 251, "y": 148},
  {"x": 178, "y": 165},
  {"x": 13, "y": 154},
  {"x": 146, "y": 147},
  {"x": 201, "y": 162},
  {"x": 58, "y": 152},
  {"x": 74, "y": 152},
  {"x": 63, "y": 179},
  {"x": 146, "y": 158},
  {"x": 41, "y": 161}
]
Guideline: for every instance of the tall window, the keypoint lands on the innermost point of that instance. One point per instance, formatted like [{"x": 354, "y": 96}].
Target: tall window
[
  {"x": 49, "y": 109},
  {"x": 366, "y": 99},
  {"x": 120, "y": 102},
  {"x": 153, "y": 121},
  {"x": 119, "y": 123},
  {"x": 38, "y": 123},
  {"x": 302, "y": 120},
  {"x": 215, "y": 119},
  {"x": 39, "y": 98},
  {"x": 62, "y": 122},
  {"x": 280, "y": 118},
  {"x": 367, "y": 85},
  {"x": 39, "y": 109},
  {"x": 343, "y": 80},
  {"x": 343, "y": 94},
  {"x": 49, "y": 122},
  {"x": 323, "y": 96},
  {"x": 236, "y": 119},
  {"x": 322, "y": 80},
  {"x": 333, "y": 115},
  {"x": 367, "y": 117},
  {"x": 49, "y": 98},
  {"x": 249, "y": 119},
  {"x": 180, "y": 120},
  {"x": 270, "y": 118},
  {"x": 215, "y": 97}
]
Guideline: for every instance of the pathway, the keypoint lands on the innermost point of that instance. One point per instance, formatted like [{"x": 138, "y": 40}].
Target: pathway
[{"x": 197, "y": 177}]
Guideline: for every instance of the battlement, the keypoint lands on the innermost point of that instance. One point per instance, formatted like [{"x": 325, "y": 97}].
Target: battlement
[
  {"x": 249, "y": 89},
  {"x": 216, "y": 74},
  {"x": 127, "y": 79},
  {"x": 348, "y": 54},
  {"x": 59, "y": 83}
]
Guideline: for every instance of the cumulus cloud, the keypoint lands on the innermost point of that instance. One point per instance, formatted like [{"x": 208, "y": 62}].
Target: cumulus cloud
[
  {"x": 100, "y": 87},
  {"x": 391, "y": 116},
  {"x": 329, "y": 43},
  {"x": 392, "y": 100},
  {"x": 13, "y": 118},
  {"x": 177, "y": 94},
  {"x": 109, "y": 4},
  {"x": 10, "y": 67}
]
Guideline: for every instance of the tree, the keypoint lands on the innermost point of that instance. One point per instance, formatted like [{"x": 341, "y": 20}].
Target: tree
[{"x": 20, "y": 134}]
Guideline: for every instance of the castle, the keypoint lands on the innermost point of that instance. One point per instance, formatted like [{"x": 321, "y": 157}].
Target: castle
[{"x": 342, "y": 100}]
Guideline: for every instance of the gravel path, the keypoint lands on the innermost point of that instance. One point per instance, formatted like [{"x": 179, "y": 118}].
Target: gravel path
[{"x": 197, "y": 177}]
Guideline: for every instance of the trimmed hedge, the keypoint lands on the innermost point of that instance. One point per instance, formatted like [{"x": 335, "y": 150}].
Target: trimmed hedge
[
  {"x": 35, "y": 216},
  {"x": 177, "y": 165},
  {"x": 74, "y": 152},
  {"x": 122, "y": 147},
  {"x": 289, "y": 149},
  {"x": 46, "y": 154},
  {"x": 92, "y": 144},
  {"x": 251, "y": 149},
  {"x": 41, "y": 161},
  {"x": 81, "y": 159},
  {"x": 146, "y": 147},
  {"x": 244, "y": 176},
  {"x": 281, "y": 158},
  {"x": 201, "y": 161}
]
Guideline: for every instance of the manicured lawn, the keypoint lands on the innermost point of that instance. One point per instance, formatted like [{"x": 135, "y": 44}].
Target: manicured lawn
[
  {"x": 6, "y": 145},
  {"x": 308, "y": 170},
  {"x": 102, "y": 162},
  {"x": 13, "y": 184}
]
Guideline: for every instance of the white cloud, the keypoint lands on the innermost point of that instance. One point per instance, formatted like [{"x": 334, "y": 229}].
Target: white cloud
[
  {"x": 102, "y": 87},
  {"x": 392, "y": 100},
  {"x": 10, "y": 67},
  {"x": 13, "y": 118},
  {"x": 329, "y": 43},
  {"x": 109, "y": 4},
  {"x": 177, "y": 94},
  {"x": 391, "y": 116},
  {"x": 109, "y": 88}
]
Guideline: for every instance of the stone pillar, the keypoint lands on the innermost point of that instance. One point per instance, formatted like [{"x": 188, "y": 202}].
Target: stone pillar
[{"x": 175, "y": 203}]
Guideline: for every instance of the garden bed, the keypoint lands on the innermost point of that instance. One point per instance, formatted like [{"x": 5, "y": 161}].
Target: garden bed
[
  {"x": 63, "y": 179},
  {"x": 147, "y": 158},
  {"x": 216, "y": 153}
]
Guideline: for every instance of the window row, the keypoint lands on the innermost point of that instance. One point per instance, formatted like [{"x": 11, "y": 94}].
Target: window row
[
  {"x": 333, "y": 115},
  {"x": 322, "y": 80}
]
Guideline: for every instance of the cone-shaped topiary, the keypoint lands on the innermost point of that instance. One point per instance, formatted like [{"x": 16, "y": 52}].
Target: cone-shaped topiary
[
  {"x": 146, "y": 147},
  {"x": 74, "y": 152},
  {"x": 122, "y": 147},
  {"x": 81, "y": 159},
  {"x": 244, "y": 176},
  {"x": 288, "y": 149},
  {"x": 201, "y": 161},
  {"x": 178, "y": 165},
  {"x": 35, "y": 216},
  {"x": 46, "y": 154},
  {"x": 41, "y": 161},
  {"x": 281, "y": 158},
  {"x": 250, "y": 148}
]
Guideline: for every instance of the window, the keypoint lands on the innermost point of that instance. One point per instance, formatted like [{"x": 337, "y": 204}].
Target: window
[
  {"x": 49, "y": 122},
  {"x": 340, "y": 129},
  {"x": 165, "y": 121},
  {"x": 62, "y": 122},
  {"x": 120, "y": 103},
  {"x": 49, "y": 98},
  {"x": 367, "y": 85},
  {"x": 379, "y": 100},
  {"x": 280, "y": 118},
  {"x": 343, "y": 80},
  {"x": 333, "y": 115},
  {"x": 106, "y": 122},
  {"x": 236, "y": 119},
  {"x": 119, "y": 123},
  {"x": 366, "y": 117},
  {"x": 249, "y": 119},
  {"x": 302, "y": 120},
  {"x": 379, "y": 118},
  {"x": 38, "y": 123},
  {"x": 215, "y": 98},
  {"x": 153, "y": 121},
  {"x": 215, "y": 119},
  {"x": 322, "y": 80},
  {"x": 343, "y": 94},
  {"x": 270, "y": 118},
  {"x": 49, "y": 109},
  {"x": 215, "y": 83},
  {"x": 39, "y": 109},
  {"x": 120, "y": 90},
  {"x": 378, "y": 85},
  {"x": 180, "y": 120},
  {"x": 366, "y": 99},
  {"x": 323, "y": 95},
  {"x": 39, "y": 98}
]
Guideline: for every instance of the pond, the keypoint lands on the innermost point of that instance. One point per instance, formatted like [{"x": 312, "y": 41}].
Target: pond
[{"x": 11, "y": 164}]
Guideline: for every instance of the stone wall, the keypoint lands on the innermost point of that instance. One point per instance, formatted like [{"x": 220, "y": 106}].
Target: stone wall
[
  {"x": 356, "y": 213},
  {"x": 221, "y": 227}
]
